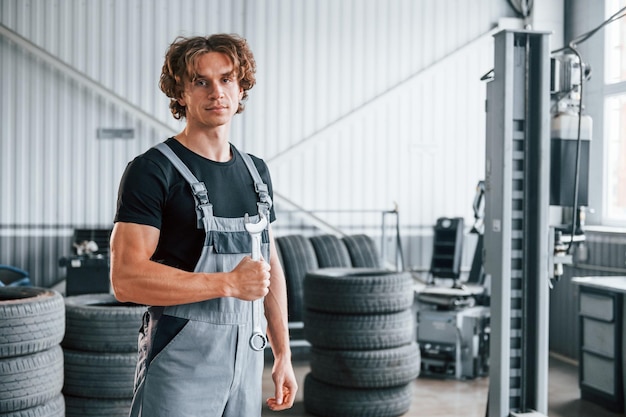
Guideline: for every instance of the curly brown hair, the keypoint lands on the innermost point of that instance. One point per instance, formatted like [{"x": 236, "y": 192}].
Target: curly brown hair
[{"x": 182, "y": 56}]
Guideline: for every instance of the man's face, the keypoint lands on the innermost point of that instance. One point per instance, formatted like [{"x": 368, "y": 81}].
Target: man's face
[{"x": 213, "y": 97}]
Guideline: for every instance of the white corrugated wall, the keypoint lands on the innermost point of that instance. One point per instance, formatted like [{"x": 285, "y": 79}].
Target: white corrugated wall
[{"x": 359, "y": 104}]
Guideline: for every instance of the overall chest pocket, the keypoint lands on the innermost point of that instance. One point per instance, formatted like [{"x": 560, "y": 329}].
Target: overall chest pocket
[{"x": 227, "y": 243}]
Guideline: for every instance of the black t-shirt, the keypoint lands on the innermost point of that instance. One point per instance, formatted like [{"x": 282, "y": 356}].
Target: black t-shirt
[{"x": 152, "y": 192}]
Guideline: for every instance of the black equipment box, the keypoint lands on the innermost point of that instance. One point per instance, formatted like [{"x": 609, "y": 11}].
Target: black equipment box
[{"x": 86, "y": 275}]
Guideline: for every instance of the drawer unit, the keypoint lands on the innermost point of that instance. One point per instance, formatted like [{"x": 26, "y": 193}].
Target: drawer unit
[
  {"x": 598, "y": 337},
  {"x": 600, "y": 370},
  {"x": 599, "y": 306}
]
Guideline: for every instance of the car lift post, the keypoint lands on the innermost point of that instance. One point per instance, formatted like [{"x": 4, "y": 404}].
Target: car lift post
[{"x": 516, "y": 238}]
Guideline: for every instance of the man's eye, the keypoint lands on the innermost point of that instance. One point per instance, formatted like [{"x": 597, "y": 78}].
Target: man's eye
[
  {"x": 227, "y": 80},
  {"x": 201, "y": 83}
]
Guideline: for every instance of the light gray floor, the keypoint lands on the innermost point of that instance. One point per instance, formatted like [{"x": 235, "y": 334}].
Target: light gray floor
[{"x": 452, "y": 398}]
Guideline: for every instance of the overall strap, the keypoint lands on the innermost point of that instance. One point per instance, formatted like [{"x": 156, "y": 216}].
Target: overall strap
[
  {"x": 204, "y": 208},
  {"x": 265, "y": 201}
]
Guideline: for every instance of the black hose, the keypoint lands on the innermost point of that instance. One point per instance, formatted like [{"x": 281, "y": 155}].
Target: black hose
[{"x": 578, "y": 145}]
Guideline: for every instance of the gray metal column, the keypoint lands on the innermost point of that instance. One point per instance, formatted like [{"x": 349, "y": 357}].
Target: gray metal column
[{"x": 516, "y": 222}]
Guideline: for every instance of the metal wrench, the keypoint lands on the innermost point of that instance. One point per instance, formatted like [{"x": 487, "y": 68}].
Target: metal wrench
[{"x": 258, "y": 341}]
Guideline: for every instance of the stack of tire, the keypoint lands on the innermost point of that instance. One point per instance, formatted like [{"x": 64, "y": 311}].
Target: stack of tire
[
  {"x": 363, "y": 356},
  {"x": 100, "y": 349},
  {"x": 32, "y": 323}
]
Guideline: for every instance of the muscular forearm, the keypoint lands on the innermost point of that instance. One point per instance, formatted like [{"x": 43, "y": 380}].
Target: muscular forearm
[
  {"x": 135, "y": 278},
  {"x": 277, "y": 327},
  {"x": 151, "y": 283}
]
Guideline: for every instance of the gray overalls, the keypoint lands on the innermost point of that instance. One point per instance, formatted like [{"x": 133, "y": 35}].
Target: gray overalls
[{"x": 205, "y": 367}]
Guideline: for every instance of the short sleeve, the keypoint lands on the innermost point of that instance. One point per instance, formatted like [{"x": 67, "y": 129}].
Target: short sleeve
[{"x": 142, "y": 193}]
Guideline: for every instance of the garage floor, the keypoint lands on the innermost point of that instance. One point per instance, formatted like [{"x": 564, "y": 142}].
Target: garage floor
[{"x": 452, "y": 398}]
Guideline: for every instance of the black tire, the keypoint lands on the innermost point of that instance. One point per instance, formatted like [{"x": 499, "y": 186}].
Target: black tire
[
  {"x": 279, "y": 255},
  {"x": 31, "y": 320},
  {"x": 90, "y": 407},
  {"x": 298, "y": 258},
  {"x": 358, "y": 332},
  {"x": 99, "y": 375},
  {"x": 357, "y": 291},
  {"x": 363, "y": 252},
  {"x": 327, "y": 400},
  {"x": 100, "y": 323},
  {"x": 31, "y": 380},
  {"x": 383, "y": 368},
  {"x": 331, "y": 252},
  {"x": 53, "y": 408}
]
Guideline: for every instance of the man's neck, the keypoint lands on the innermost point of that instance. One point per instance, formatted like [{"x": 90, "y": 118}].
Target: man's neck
[{"x": 213, "y": 145}]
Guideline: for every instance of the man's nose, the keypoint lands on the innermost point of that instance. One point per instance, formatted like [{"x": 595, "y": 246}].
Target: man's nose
[{"x": 216, "y": 90}]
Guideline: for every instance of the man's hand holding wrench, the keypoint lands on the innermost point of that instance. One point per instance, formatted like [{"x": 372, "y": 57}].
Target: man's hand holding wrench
[{"x": 258, "y": 341}]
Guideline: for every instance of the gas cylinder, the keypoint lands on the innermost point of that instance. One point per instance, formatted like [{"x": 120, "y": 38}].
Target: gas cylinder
[{"x": 563, "y": 145}]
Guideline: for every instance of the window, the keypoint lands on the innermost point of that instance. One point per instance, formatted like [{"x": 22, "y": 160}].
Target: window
[
  {"x": 615, "y": 142},
  {"x": 615, "y": 44},
  {"x": 615, "y": 116}
]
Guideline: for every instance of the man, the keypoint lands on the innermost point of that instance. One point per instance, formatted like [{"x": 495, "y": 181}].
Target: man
[{"x": 180, "y": 246}]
